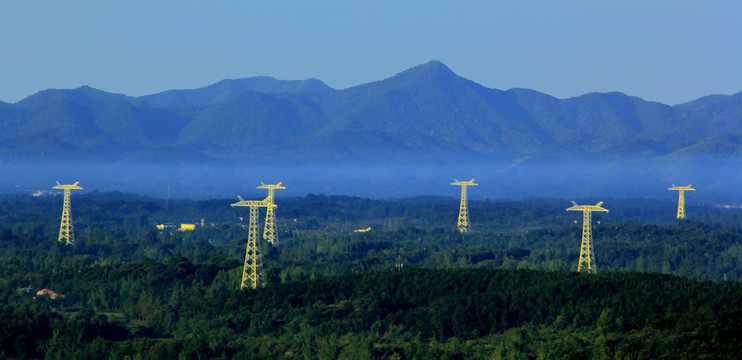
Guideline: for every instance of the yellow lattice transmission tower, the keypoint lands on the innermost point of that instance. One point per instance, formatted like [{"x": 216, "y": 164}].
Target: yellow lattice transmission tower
[
  {"x": 252, "y": 272},
  {"x": 269, "y": 233},
  {"x": 681, "y": 198},
  {"x": 587, "y": 256},
  {"x": 66, "y": 231},
  {"x": 463, "y": 211}
]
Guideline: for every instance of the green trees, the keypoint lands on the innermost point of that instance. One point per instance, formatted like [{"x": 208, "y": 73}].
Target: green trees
[
  {"x": 132, "y": 292},
  {"x": 470, "y": 312}
]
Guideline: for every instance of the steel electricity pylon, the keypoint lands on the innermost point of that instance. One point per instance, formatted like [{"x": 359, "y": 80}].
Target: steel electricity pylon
[
  {"x": 463, "y": 211},
  {"x": 252, "y": 272},
  {"x": 587, "y": 257},
  {"x": 269, "y": 232},
  {"x": 681, "y": 198},
  {"x": 66, "y": 231}
]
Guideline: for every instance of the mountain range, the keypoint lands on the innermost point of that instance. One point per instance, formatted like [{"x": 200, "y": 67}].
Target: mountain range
[
  {"x": 426, "y": 113},
  {"x": 423, "y": 115}
]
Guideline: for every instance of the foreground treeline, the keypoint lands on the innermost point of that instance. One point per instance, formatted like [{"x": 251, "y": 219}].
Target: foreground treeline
[{"x": 188, "y": 311}]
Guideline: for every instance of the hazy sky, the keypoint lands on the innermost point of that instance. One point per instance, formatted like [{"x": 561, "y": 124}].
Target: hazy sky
[{"x": 669, "y": 51}]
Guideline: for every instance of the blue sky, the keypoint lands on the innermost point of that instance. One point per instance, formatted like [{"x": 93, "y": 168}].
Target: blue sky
[{"x": 666, "y": 51}]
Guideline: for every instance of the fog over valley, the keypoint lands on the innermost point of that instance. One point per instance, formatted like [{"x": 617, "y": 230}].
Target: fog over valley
[{"x": 496, "y": 181}]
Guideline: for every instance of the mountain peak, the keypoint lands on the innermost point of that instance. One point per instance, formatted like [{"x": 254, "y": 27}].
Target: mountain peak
[
  {"x": 431, "y": 67},
  {"x": 432, "y": 71},
  {"x": 434, "y": 65}
]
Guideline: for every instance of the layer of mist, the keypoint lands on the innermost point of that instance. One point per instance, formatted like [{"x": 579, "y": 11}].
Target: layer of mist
[{"x": 716, "y": 180}]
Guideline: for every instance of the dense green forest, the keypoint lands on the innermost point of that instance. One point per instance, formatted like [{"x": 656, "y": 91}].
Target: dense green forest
[{"x": 411, "y": 288}]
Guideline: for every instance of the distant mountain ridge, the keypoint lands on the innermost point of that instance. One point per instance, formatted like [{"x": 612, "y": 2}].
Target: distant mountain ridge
[
  {"x": 426, "y": 113},
  {"x": 225, "y": 89}
]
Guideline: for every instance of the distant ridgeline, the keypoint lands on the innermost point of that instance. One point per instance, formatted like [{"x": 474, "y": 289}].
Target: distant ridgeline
[{"x": 525, "y": 139}]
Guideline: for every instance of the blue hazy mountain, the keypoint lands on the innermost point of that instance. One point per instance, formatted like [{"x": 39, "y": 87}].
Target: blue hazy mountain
[
  {"x": 423, "y": 115},
  {"x": 426, "y": 111},
  {"x": 84, "y": 95},
  {"x": 226, "y": 89}
]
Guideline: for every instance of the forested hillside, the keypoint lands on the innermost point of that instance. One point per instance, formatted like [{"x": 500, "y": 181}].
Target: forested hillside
[
  {"x": 411, "y": 288},
  {"x": 182, "y": 310}
]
